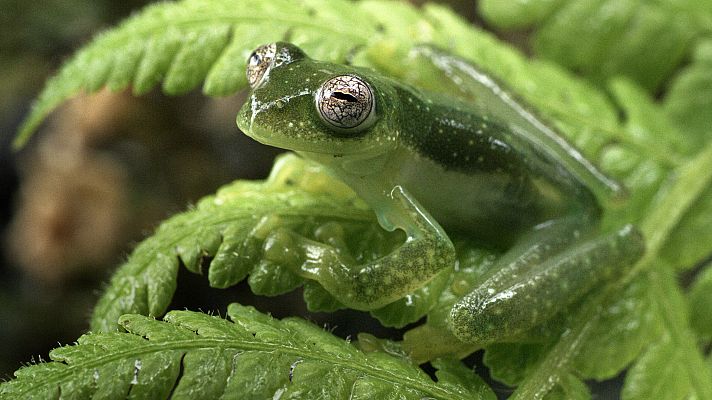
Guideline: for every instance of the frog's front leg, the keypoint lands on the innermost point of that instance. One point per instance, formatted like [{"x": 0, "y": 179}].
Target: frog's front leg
[
  {"x": 426, "y": 251},
  {"x": 543, "y": 281}
]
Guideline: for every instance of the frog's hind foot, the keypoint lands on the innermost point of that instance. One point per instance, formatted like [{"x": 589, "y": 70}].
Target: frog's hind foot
[{"x": 506, "y": 308}]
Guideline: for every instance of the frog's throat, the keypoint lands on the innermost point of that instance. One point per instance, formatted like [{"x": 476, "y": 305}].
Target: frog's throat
[
  {"x": 325, "y": 150},
  {"x": 359, "y": 164}
]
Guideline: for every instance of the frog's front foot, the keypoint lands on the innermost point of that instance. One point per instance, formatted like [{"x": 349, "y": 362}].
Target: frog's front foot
[{"x": 374, "y": 284}]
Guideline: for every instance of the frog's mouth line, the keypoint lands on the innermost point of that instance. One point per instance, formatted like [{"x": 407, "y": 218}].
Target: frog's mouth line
[{"x": 334, "y": 149}]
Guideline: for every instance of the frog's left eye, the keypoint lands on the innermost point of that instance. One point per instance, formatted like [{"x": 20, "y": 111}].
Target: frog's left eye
[
  {"x": 346, "y": 102},
  {"x": 259, "y": 62}
]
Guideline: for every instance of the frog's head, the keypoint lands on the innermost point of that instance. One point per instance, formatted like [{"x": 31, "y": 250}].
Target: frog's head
[{"x": 306, "y": 105}]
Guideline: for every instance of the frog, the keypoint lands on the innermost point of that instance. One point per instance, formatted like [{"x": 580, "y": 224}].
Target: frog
[{"x": 430, "y": 165}]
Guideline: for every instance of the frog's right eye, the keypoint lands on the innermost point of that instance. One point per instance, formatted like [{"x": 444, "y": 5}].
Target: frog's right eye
[
  {"x": 346, "y": 102},
  {"x": 259, "y": 62}
]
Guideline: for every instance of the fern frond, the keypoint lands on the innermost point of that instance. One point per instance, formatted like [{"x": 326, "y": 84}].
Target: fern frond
[
  {"x": 225, "y": 234},
  {"x": 184, "y": 43},
  {"x": 611, "y": 330},
  {"x": 228, "y": 229},
  {"x": 700, "y": 304},
  {"x": 637, "y": 40},
  {"x": 692, "y": 374},
  {"x": 197, "y": 356}
]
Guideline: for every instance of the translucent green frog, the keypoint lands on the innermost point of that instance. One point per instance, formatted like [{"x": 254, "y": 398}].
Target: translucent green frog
[{"x": 489, "y": 169}]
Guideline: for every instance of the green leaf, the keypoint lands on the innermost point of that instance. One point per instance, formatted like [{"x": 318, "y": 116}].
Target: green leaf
[
  {"x": 184, "y": 43},
  {"x": 569, "y": 388},
  {"x": 229, "y": 228},
  {"x": 658, "y": 374},
  {"x": 605, "y": 38},
  {"x": 689, "y": 97},
  {"x": 650, "y": 172},
  {"x": 688, "y": 103},
  {"x": 649, "y": 148},
  {"x": 680, "y": 192},
  {"x": 198, "y": 51},
  {"x": 197, "y": 356},
  {"x": 517, "y": 15},
  {"x": 453, "y": 373},
  {"x": 647, "y": 124},
  {"x": 637, "y": 39},
  {"x": 233, "y": 229},
  {"x": 625, "y": 327},
  {"x": 510, "y": 363},
  {"x": 682, "y": 195},
  {"x": 691, "y": 240},
  {"x": 700, "y": 301},
  {"x": 671, "y": 368}
]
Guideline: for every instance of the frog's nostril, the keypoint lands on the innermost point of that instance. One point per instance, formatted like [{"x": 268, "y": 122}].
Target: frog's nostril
[{"x": 344, "y": 96}]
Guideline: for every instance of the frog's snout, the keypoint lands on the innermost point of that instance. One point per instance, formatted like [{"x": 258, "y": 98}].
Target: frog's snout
[{"x": 244, "y": 119}]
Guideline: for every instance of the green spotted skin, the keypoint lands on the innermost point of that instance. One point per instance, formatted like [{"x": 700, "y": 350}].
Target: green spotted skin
[
  {"x": 428, "y": 164},
  {"x": 495, "y": 306},
  {"x": 498, "y": 185}
]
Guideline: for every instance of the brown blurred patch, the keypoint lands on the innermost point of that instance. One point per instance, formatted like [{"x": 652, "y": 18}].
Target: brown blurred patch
[
  {"x": 108, "y": 167},
  {"x": 72, "y": 207},
  {"x": 72, "y": 216}
]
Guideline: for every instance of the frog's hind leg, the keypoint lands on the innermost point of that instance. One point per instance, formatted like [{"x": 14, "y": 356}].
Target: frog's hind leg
[{"x": 538, "y": 280}]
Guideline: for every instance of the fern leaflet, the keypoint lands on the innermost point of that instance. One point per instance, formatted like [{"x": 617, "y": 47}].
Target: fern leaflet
[
  {"x": 637, "y": 40},
  {"x": 186, "y": 42},
  {"x": 226, "y": 234},
  {"x": 197, "y": 356}
]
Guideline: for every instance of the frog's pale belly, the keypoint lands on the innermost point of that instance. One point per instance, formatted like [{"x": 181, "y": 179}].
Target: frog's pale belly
[{"x": 484, "y": 205}]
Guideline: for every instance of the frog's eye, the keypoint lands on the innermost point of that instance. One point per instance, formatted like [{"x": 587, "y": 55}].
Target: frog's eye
[
  {"x": 259, "y": 62},
  {"x": 346, "y": 102}
]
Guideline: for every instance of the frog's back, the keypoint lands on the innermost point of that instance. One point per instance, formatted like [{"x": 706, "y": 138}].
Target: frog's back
[
  {"x": 456, "y": 77},
  {"x": 475, "y": 174}
]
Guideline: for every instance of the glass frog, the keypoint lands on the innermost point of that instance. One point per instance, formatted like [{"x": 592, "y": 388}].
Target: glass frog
[{"x": 429, "y": 164}]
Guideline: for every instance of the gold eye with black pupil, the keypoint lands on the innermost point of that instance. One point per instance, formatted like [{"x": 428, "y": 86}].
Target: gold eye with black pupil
[
  {"x": 259, "y": 62},
  {"x": 345, "y": 102}
]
